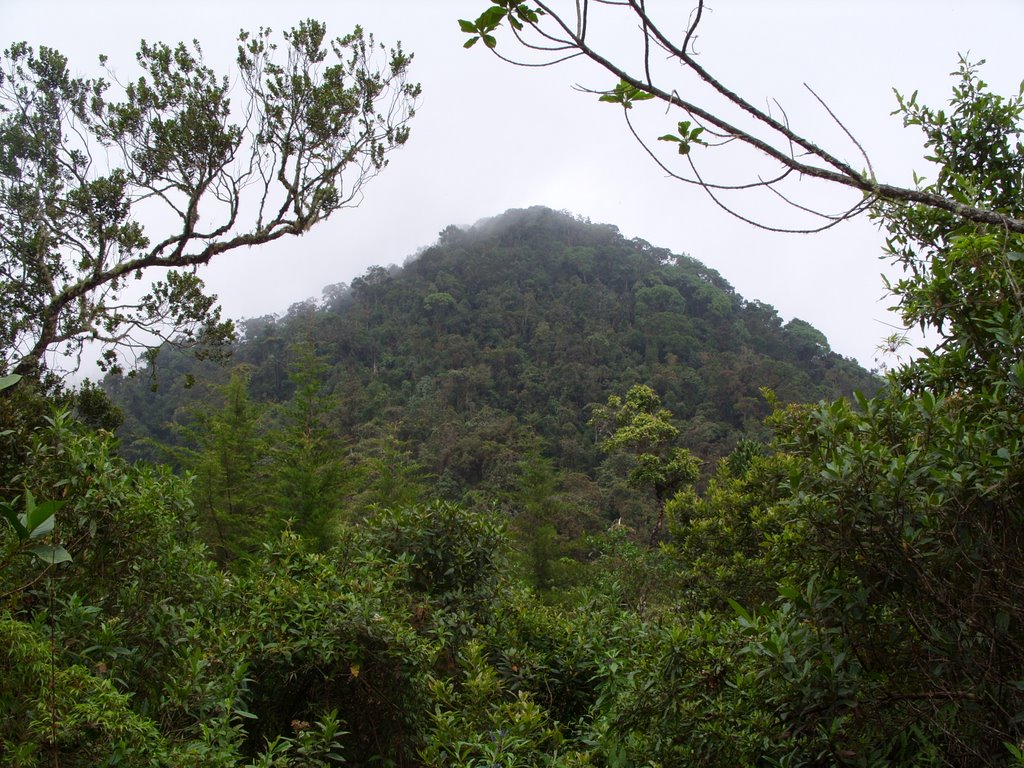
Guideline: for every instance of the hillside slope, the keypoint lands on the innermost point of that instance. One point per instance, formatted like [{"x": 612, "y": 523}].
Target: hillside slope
[{"x": 485, "y": 353}]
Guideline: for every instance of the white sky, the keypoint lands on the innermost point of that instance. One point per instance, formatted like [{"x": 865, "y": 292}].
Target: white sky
[{"x": 489, "y": 137}]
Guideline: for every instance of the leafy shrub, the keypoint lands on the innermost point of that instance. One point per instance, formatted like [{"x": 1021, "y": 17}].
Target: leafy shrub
[
  {"x": 329, "y": 637},
  {"x": 454, "y": 554}
]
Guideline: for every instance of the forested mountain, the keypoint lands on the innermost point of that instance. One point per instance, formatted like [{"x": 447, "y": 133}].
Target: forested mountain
[{"x": 487, "y": 351}]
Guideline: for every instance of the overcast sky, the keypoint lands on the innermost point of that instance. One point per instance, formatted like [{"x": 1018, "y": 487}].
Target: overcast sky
[{"x": 488, "y": 136}]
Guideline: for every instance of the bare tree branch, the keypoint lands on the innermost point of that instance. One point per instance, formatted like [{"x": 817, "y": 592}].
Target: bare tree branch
[{"x": 772, "y": 138}]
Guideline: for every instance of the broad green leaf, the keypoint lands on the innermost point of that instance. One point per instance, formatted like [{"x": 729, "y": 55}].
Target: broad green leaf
[
  {"x": 958, "y": 194},
  {"x": 51, "y": 553},
  {"x": 467, "y": 26},
  {"x": 9, "y": 381},
  {"x": 740, "y": 611},
  {"x": 38, "y": 516},
  {"x": 43, "y": 527},
  {"x": 491, "y": 18}
]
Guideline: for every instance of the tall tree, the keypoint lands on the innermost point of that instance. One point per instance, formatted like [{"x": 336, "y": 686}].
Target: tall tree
[
  {"x": 229, "y": 463},
  {"x": 641, "y": 427},
  {"x": 309, "y": 474},
  {"x": 81, "y": 171},
  {"x": 893, "y": 526}
]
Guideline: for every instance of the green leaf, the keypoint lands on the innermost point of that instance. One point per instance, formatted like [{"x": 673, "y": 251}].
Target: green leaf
[
  {"x": 491, "y": 18},
  {"x": 14, "y": 519},
  {"x": 39, "y": 518},
  {"x": 625, "y": 93},
  {"x": 490, "y": 41},
  {"x": 51, "y": 553},
  {"x": 927, "y": 401},
  {"x": 668, "y": 137},
  {"x": 528, "y": 14},
  {"x": 9, "y": 381},
  {"x": 42, "y": 528},
  {"x": 959, "y": 195},
  {"x": 740, "y": 611},
  {"x": 31, "y": 518},
  {"x": 470, "y": 43},
  {"x": 789, "y": 592},
  {"x": 467, "y": 26}
]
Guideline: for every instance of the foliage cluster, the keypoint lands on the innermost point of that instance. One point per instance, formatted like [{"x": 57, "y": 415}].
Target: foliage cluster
[{"x": 82, "y": 157}]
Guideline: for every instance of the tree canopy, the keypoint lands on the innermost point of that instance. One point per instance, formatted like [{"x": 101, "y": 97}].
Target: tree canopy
[{"x": 103, "y": 183}]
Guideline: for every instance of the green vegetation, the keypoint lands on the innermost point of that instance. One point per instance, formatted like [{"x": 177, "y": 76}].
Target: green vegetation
[
  {"x": 456, "y": 516},
  {"x": 488, "y": 354},
  {"x": 211, "y": 176}
]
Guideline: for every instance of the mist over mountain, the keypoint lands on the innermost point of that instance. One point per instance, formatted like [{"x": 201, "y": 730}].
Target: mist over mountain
[{"x": 489, "y": 349}]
